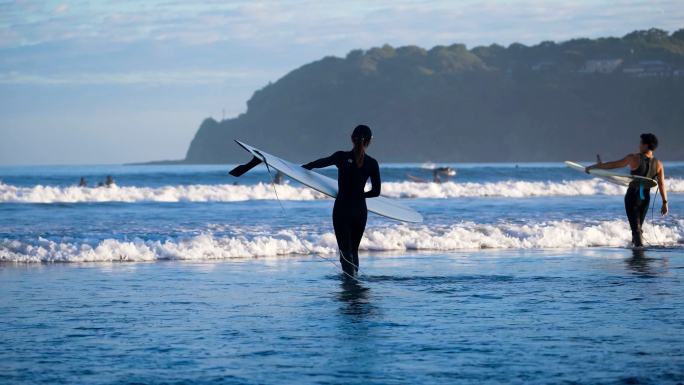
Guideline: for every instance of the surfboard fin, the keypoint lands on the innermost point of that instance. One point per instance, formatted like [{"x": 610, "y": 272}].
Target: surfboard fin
[{"x": 240, "y": 170}]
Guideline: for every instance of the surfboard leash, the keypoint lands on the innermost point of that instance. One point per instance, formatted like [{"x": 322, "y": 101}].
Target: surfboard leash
[
  {"x": 297, "y": 235},
  {"x": 653, "y": 218}
]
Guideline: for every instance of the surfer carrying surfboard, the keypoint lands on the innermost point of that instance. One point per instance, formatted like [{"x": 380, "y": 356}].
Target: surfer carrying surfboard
[
  {"x": 350, "y": 212},
  {"x": 637, "y": 197}
]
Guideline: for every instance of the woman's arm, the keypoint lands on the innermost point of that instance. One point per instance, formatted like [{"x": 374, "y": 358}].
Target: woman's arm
[
  {"x": 321, "y": 163},
  {"x": 629, "y": 160},
  {"x": 663, "y": 193},
  {"x": 375, "y": 182}
]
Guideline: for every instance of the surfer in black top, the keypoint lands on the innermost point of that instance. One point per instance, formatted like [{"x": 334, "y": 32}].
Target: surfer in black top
[
  {"x": 350, "y": 212},
  {"x": 641, "y": 164}
]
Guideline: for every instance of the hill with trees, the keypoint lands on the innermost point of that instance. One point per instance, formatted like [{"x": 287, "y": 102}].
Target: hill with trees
[{"x": 452, "y": 104}]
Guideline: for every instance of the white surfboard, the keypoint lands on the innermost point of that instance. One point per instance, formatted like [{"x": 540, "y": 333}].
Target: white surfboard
[
  {"x": 381, "y": 205},
  {"x": 616, "y": 177}
]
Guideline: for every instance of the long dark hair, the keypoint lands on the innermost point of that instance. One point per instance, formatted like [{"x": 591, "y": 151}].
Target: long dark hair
[{"x": 361, "y": 136}]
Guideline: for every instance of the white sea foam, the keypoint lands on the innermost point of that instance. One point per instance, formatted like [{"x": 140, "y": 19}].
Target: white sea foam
[
  {"x": 515, "y": 236},
  {"x": 455, "y": 237},
  {"x": 192, "y": 248},
  {"x": 230, "y": 193},
  {"x": 512, "y": 189},
  {"x": 191, "y": 193}
]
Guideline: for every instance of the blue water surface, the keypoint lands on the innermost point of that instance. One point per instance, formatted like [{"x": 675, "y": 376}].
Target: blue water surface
[{"x": 215, "y": 284}]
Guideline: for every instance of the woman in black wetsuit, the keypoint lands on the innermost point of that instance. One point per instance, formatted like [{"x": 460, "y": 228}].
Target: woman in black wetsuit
[
  {"x": 350, "y": 212},
  {"x": 641, "y": 164}
]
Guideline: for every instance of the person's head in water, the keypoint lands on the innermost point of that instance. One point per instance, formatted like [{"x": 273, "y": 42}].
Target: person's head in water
[
  {"x": 647, "y": 142},
  {"x": 361, "y": 137}
]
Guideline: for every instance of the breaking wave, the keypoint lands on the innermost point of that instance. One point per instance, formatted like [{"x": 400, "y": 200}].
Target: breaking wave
[
  {"x": 191, "y": 193},
  {"x": 231, "y": 193},
  {"x": 461, "y": 236},
  {"x": 511, "y": 189}
]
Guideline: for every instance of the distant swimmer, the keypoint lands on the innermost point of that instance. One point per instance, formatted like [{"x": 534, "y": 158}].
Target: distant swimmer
[
  {"x": 645, "y": 165},
  {"x": 350, "y": 212},
  {"x": 82, "y": 183},
  {"x": 110, "y": 181},
  {"x": 598, "y": 159},
  {"x": 446, "y": 171},
  {"x": 278, "y": 179}
]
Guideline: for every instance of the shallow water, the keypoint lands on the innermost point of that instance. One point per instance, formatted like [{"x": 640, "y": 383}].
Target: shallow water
[{"x": 523, "y": 316}]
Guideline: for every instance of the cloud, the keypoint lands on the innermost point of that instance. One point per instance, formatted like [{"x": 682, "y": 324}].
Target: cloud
[
  {"x": 130, "y": 78},
  {"x": 315, "y": 22},
  {"x": 61, "y": 9}
]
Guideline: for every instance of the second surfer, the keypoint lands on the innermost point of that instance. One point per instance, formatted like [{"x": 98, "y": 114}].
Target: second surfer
[
  {"x": 350, "y": 212},
  {"x": 637, "y": 198}
]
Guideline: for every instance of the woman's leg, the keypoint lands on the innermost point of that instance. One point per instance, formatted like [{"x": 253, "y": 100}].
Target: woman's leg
[
  {"x": 357, "y": 229},
  {"x": 632, "y": 208},
  {"x": 643, "y": 209},
  {"x": 343, "y": 234}
]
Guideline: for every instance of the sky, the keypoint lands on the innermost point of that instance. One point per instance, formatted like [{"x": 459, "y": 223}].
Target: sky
[{"x": 120, "y": 81}]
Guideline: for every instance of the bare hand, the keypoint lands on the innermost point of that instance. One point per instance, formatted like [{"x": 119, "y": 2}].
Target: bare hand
[
  {"x": 663, "y": 209},
  {"x": 586, "y": 169}
]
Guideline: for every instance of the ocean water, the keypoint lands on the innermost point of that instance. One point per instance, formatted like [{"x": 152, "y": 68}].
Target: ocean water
[{"x": 518, "y": 274}]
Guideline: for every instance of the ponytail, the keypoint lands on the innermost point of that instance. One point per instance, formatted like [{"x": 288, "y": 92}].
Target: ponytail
[
  {"x": 361, "y": 137},
  {"x": 359, "y": 150}
]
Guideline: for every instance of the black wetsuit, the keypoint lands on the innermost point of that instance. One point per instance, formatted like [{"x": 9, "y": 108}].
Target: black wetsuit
[
  {"x": 635, "y": 206},
  {"x": 350, "y": 212}
]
